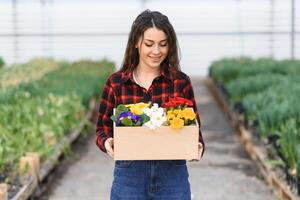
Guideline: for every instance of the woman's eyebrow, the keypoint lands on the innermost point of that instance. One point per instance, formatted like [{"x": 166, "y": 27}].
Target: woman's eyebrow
[{"x": 153, "y": 41}]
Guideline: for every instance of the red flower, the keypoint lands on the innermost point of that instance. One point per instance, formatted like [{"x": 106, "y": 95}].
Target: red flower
[{"x": 176, "y": 101}]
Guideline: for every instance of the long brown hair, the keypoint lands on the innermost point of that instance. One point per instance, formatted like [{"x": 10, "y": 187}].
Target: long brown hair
[{"x": 148, "y": 19}]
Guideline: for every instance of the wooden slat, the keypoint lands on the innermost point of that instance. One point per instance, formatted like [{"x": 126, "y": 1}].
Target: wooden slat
[{"x": 26, "y": 191}]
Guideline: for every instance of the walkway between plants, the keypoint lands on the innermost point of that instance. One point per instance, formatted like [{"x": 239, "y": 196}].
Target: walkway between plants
[{"x": 224, "y": 173}]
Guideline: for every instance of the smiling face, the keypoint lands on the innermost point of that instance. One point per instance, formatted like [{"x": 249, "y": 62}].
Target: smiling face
[{"x": 153, "y": 48}]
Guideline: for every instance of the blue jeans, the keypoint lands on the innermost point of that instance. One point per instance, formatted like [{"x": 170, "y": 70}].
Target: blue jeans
[{"x": 151, "y": 180}]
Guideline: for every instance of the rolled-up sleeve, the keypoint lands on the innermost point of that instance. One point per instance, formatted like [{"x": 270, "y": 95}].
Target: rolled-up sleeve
[
  {"x": 189, "y": 94},
  {"x": 104, "y": 127}
]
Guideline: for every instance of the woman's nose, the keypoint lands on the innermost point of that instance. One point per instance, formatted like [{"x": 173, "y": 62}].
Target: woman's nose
[{"x": 156, "y": 49}]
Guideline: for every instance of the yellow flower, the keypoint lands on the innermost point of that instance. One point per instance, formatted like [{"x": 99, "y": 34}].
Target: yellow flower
[
  {"x": 179, "y": 113},
  {"x": 189, "y": 114},
  {"x": 170, "y": 115},
  {"x": 128, "y": 105},
  {"x": 137, "y": 108},
  {"x": 176, "y": 123},
  {"x": 170, "y": 112}
]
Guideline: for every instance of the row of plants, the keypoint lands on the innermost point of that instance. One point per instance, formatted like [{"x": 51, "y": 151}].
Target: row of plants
[
  {"x": 25, "y": 72},
  {"x": 36, "y": 114},
  {"x": 266, "y": 92}
]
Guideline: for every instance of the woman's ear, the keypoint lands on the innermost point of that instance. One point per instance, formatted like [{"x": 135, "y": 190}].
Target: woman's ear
[
  {"x": 138, "y": 44},
  {"x": 136, "y": 47}
]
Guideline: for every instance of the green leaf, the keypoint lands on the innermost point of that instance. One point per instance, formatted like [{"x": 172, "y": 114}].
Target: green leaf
[
  {"x": 274, "y": 162},
  {"x": 145, "y": 118},
  {"x": 121, "y": 108},
  {"x": 113, "y": 118},
  {"x": 126, "y": 121}
]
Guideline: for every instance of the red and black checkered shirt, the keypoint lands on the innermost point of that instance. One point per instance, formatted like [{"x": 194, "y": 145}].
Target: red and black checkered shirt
[{"x": 120, "y": 88}]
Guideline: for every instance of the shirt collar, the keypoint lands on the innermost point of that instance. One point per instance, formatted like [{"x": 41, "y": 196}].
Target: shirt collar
[
  {"x": 126, "y": 76},
  {"x": 165, "y": 72}
]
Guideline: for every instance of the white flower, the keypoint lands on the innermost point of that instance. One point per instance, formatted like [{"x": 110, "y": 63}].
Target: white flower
[
  {"x": 157, "y": 116},
  {"x": 147, "y": 111},
  {"x": 150, "y": 125}
]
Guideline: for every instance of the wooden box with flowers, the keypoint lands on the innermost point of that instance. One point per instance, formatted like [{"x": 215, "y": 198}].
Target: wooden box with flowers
[{"x": 145, "y": 131}]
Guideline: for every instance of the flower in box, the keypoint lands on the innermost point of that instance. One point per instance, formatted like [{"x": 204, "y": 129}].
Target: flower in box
[
  {"x": 139, "y": 114},
  {"x": 178, "y": 113},
  {"x": 137, "y": 107},
  {"x": 157, "y": 116},
  {"x": 177, "y": 102},
  {"x": 174, "y": 113},
  {"x": 130, "y": 115}
]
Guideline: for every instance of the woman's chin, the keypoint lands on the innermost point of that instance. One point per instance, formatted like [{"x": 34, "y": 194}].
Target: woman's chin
[{"x": 155, "y": 64}]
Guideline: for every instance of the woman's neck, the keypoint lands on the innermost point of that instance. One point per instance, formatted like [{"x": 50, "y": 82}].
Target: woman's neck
[
  {"x": 147, "y": 72},
  {"x": 145, "y": 76}
]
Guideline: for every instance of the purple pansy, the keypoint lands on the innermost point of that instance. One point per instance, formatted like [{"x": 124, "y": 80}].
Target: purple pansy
[{"x": 134, "y": 118}]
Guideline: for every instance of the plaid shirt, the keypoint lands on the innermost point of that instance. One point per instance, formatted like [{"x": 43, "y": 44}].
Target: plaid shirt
[{"x": 120, "y": 88}]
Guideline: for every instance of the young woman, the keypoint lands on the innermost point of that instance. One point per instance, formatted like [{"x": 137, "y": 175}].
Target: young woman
[{"x": 150, "y": 72}]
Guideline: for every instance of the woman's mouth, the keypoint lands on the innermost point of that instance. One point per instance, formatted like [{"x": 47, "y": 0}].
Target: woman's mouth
[{"x": 155, "y": 59}]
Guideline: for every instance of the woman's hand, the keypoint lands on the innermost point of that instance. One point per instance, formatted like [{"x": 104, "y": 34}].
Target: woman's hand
[
  {"x": 109, "y": 146},
  {"x": 200, "y": 150}
]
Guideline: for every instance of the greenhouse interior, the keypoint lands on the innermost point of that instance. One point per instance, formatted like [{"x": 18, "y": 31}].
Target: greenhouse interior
[{"x": 149, "y": 99}]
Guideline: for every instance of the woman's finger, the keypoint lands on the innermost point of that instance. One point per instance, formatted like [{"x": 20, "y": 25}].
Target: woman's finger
[
  {"x": 110, "y": 154},
  {"x": 109, "y": 147},
  {"x": 110, "y": 151},
  {"x": 200, "y": 150}
]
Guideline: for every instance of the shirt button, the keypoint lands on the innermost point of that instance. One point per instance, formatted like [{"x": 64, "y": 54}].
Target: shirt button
[{"x": 147, "y": 97}]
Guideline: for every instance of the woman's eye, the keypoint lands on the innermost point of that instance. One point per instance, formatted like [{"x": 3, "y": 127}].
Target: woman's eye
[
  {"x": 148, "y": 45},
  {"x": 164, "y": 45}
]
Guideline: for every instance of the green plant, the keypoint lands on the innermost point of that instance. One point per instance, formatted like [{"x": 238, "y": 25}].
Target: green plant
[
  {"x": 2, "y": 63},
  {"x": 269, "y": 92},
  {"x": 243, "y": 86},
  {"x": 36, "y": 114},
  {"x": 289, "y": 144}
]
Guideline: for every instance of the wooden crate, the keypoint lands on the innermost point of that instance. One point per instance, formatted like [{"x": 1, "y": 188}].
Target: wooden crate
[{"x": 163, "y": 143}]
